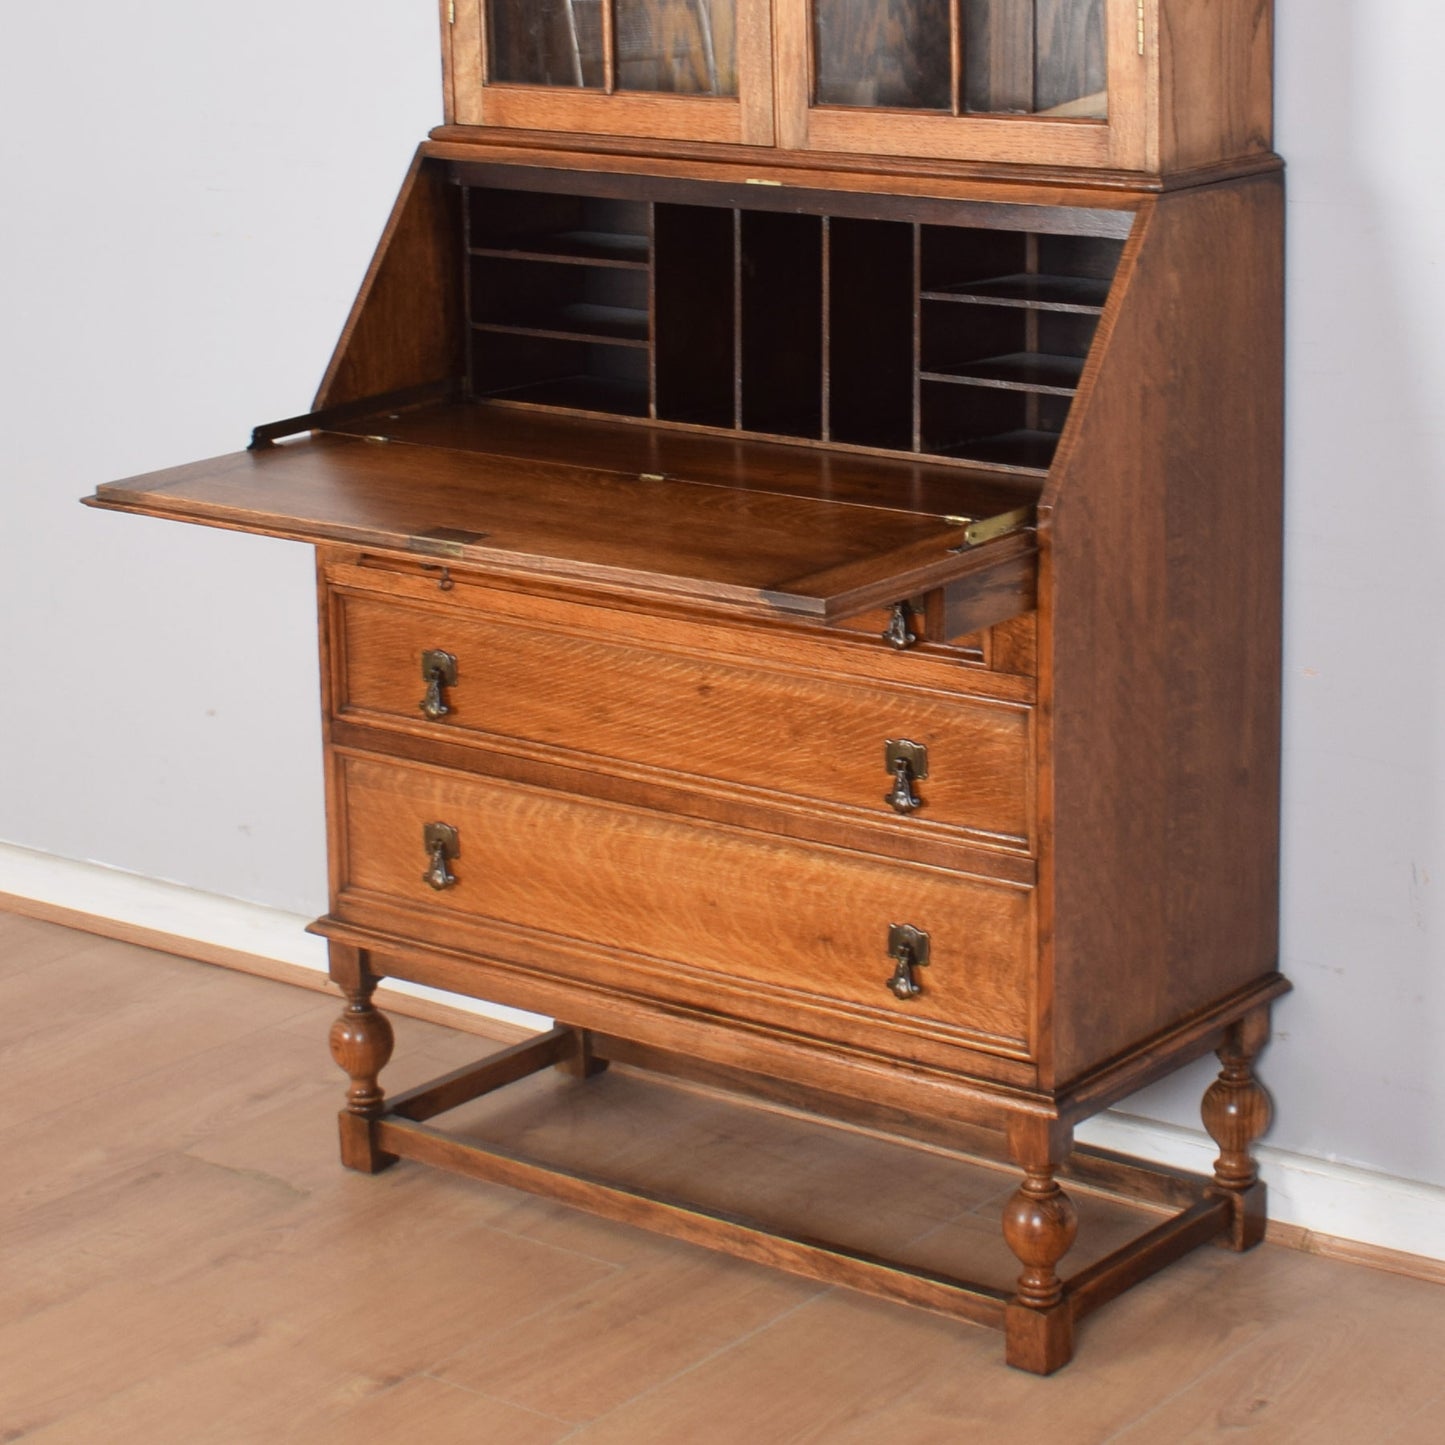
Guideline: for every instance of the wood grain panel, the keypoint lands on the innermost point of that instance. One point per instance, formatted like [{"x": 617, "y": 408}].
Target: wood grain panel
[
  {"x": 406, "y": 326},
  {"x": 788, "y": 919},
  {"x": 837, "y": 652},
  {"x": 1215, "y": 80},
  {"x": 770, "y": 729},
  {"x": 1161, "y": 666},
  {"x": 911, "y": 484},
  {"x": 1024, "y": 140},
  {"x": 631, "y": 113},
  {"x": 753, "y": 551}
]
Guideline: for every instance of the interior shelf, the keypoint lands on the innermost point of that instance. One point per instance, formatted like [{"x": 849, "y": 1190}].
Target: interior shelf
[
  {"x": 1033, "y": 450},
  {"x": 1020, "y": 371},
  {"x": 614, "y": 395},
  {"x": 594, "y": 248},
  {"x": 778, "y": 318},
  {"x": 581, "y": 321},
  {"x": 1082, "y": 295}
]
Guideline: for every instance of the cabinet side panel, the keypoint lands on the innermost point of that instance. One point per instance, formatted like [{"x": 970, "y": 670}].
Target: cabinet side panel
[
  {"x": 1215, "y": 84},
  {"x": 406, "y": 326},
  {"x": 1163, "y": 591}
]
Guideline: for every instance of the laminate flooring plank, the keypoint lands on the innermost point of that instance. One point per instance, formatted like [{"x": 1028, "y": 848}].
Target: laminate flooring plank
[
  {"x": 70, "y": 1357},
  {"x": 1149, "y": 1345},
  {"x": 847, "y": 1369},
  {"x": 64, "y": 1148},
  {"x": 400, "y": 1274},
  {"x": 30, "y": 943},
  {"x": 627, "y": 1334},
  {"x": 131, "y": 1223},
  {"x": 421, "y": 1409},
  {"x": 80, "y": 988},
  {"x": 133, "y": 1040},
  {"x": 1421, "y": 1428},
  {"x": 805, "y": 1377},
  {"x": 259, "y": 1390},
  {"x": 1344, "y": 1365}
]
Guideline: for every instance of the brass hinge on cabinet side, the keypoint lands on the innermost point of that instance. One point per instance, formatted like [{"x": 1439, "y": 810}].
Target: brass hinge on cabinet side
[
  {"x": 985, "y": 529},
  {"x": 1141, "y": 27},
  {"x": 452, "y": 12}
]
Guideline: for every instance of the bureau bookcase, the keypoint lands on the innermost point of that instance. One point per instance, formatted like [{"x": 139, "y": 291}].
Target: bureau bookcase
[{"x": 798, "y": 508}]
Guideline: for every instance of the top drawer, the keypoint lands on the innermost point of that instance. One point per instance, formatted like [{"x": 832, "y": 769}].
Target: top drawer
[{"x": 762, "y": 728}]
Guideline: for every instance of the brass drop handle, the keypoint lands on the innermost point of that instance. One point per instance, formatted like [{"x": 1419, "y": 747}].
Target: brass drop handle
[
  {"x": 901, "y": 797},
  {"x": 899, "y": 634},
  {"x": 908, "y": 763},
  {"x": 442, "y": 845},
  {"x": 438, "y": 670},
  {"x": 908, "y": 947}
]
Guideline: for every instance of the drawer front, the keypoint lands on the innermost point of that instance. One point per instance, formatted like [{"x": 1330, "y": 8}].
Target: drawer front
[
  {"x": 773, "y": 730},
  {"x": 679, "y": 904}
]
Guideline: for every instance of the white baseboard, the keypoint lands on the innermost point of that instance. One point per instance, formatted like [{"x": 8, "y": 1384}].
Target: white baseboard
[
  {"x": 1317, "y": 1196},
  {"x": 226, "y": 925},
  {"x": 1308, "y": 1196}
]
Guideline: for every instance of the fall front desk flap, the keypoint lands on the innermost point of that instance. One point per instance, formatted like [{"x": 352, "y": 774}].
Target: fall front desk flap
[{"x": 758, "y": 527}]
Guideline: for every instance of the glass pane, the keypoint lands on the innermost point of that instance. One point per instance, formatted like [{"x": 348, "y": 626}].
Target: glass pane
[
  {"x": 883, "y": 53},
  {"x": 684, "y": 47},
  {"x": 1041, "y": 57},
  {"x": 545, "y": 42}
]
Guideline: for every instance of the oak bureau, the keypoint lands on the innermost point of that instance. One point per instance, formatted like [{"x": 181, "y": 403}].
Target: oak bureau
[{"x": 798, "y": 507}]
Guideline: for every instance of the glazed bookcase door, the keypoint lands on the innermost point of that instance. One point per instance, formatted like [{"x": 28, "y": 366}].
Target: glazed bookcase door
[
  {"x": 662, "y": 69},
  {"x": 1037, "y": 82}
]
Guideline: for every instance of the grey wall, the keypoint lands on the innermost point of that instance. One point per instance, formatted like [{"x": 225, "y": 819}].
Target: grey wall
[
  {"x": 188, "y": 206},
  {"x": 190, "y": 194}
]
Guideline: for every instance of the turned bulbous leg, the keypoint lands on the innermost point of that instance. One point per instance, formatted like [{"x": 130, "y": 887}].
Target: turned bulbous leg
[
  {"x": 1039, "y": 1225},
  {"x": 1236, "y": 1113},
  {"x": 361, "y": 1044}
]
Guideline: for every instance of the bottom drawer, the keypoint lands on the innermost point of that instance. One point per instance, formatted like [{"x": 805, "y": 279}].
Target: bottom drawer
[{"x": 696, "y": 914}]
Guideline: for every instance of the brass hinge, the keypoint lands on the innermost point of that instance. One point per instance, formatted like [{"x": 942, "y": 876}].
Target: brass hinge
[
  {"x": 985, "y": 529},
  {"x": 1141, "y": 27},
  {"x": 452, "y": 15}
]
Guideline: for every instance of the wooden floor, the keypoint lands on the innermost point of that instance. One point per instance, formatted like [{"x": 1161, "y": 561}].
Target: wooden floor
[{"x": 183, "y": 1260}]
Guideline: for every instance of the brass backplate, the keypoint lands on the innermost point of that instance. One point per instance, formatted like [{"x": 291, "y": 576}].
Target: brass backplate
[
  {"x": 897, "y": 750},
  {"x": 439, "y": 665},
  {"x": 905, "y": 937},
  {"x": 443, "y": 836}
]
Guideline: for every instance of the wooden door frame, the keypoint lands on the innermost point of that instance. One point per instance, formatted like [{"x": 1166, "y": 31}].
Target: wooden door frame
[
  {"x": 746, "y": 119},
  {"x": 1126, "y": 141}
]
